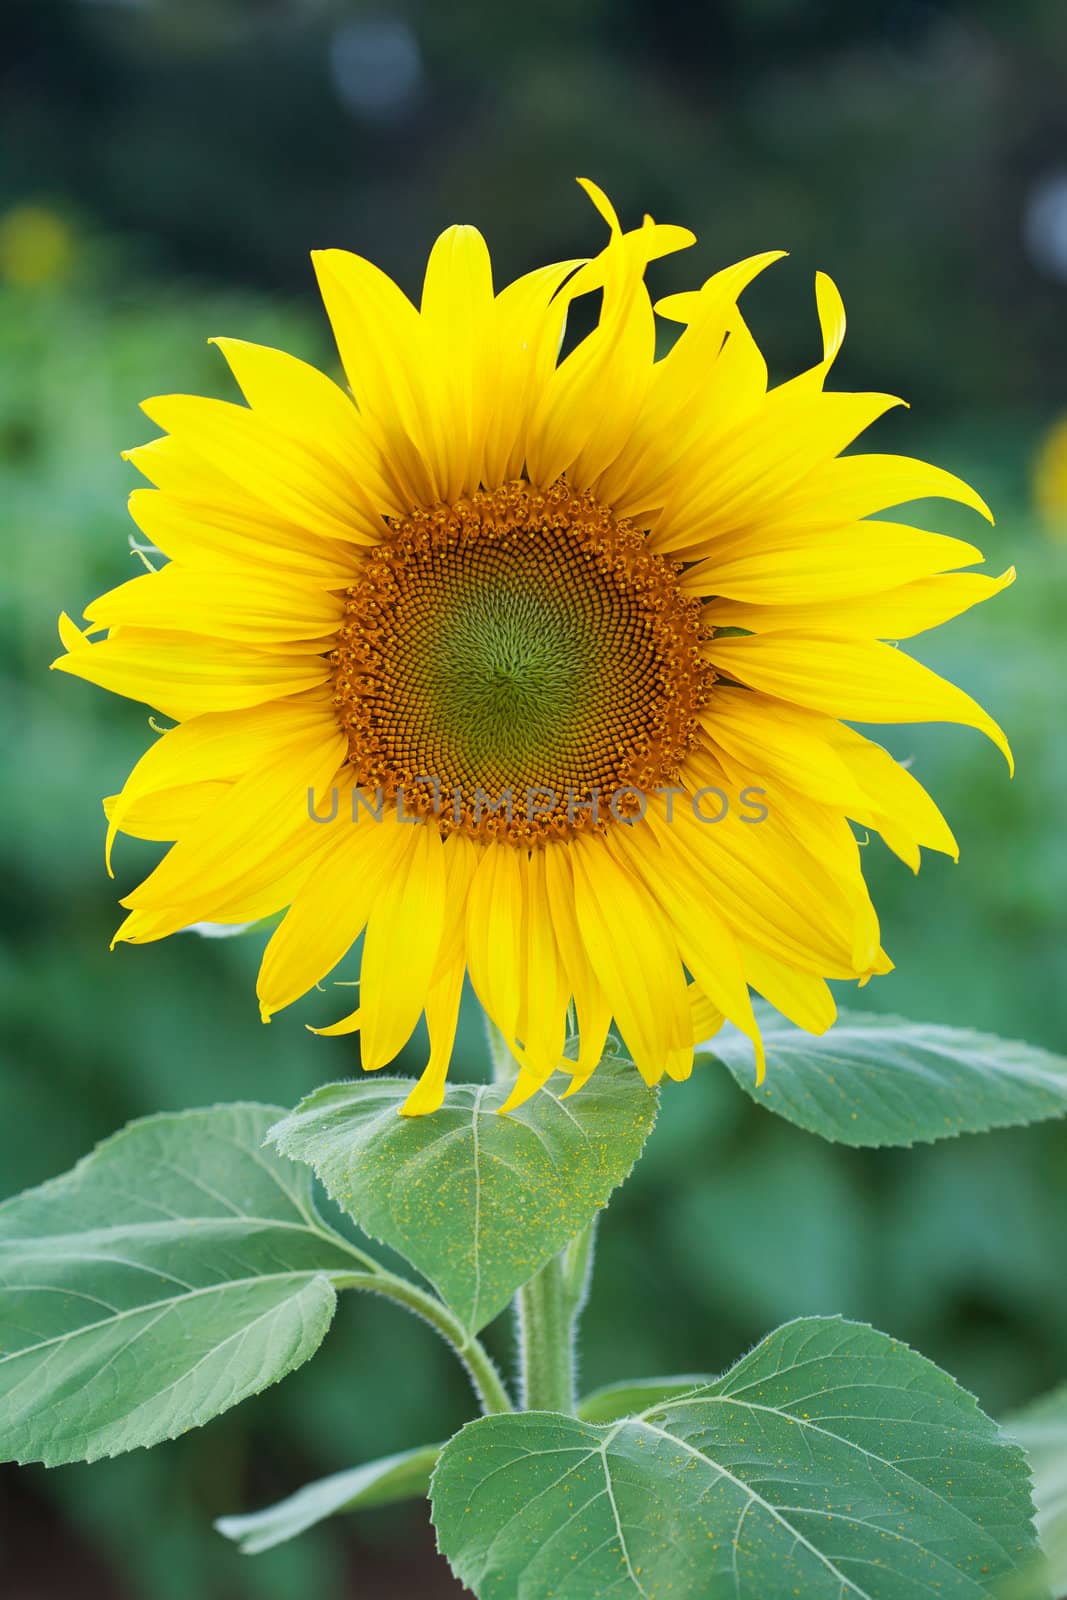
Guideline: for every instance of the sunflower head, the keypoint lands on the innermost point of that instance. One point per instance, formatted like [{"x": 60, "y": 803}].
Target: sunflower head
[
  {"x": 529, "y": 665},
  {"x": 519, "y": 645}
]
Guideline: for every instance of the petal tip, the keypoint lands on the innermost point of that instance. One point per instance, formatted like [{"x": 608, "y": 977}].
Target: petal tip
[
  {"x": 601, "y": 202},
  {"x": 423, "y": 1100}
]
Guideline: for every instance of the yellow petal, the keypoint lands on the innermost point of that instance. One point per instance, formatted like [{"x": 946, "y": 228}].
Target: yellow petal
[
  {"x": 529, "y": 317},
  {"x": 763, "y": 880},
  {"x": 380, "y": 344},
  {"x": 145, "y": 927},
  {"x": 851, "y": 487},
  {"x": 896, "y": 803},
  {"x": 164, "y": 815},
  {"x": 591, "y": 400},
  {"x": 295, "y": 478},
  {"x": 400, "y": 950},
  {"x": 461, "y": 859},
  {"x": 458, "y": 327},
  {"x": 754, "y": 467},
  {"x": 225, "y": 604},
  {"x": 542, "y": 1025},
  {"x": 784, "y": 564},
  {"x": 831, "y": 310},
  {"x": 819, "y": 757},
  {"x": 443, "y": 999},
  {"x": 525, "y": 1086},
  {"x": 824, "y": 834},
  {"x": 635, "y": 958},
  {"x": 593, "y": 1010},
  {"x": 331, "y": 910},
  {"x": 200, "y": 533},
  {"x": 257, "y": 832},
  {"x": 713, "y": 299},
  {"x": 303, "y": 401},
  {"x": 602, "y": 203},
  {"x": 890, "y": 614},
  {"x": 778, "y": 740},
  {"x": 494, "y": 936},
  {"x": 172, "y": 465},
  {"x": 590, "y": 403},
  {"x": 442, "y": 1018},
  {"x": 705, "y": 943},
  {"x": 184, "y": 674},
  {"x": 859, "y": 680},
  {"x": 800, "y": 996},
  {"x": 694, "y": 384},
  {"x": 217, "y": 749},
  {"x": 707, "y": 1019},
  {"x": 248, "y": 903}
]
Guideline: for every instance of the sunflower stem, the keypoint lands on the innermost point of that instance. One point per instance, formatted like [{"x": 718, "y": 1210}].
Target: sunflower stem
[
  {"x": 547, "y": 1312},
  {"x": 546, "y": 1356},
  {"x": 487, "y": 1382},
  {"x": 578, "y": 1272},
  {"x": 547, "y": 1308}
]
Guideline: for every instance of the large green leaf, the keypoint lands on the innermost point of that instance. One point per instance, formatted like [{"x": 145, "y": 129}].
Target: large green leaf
[
  {"x": 875, "y": 1080},
  {"x": 377, "y": 1483},
  {"x": 831, "y": 1463},
  {"x": 173, "y": 1272},
  {"x": 476, "y": 1201},
  {"x": 1041, "y": 1429}
]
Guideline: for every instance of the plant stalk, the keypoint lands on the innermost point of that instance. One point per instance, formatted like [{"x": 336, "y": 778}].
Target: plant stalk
[
  {"x": 546, "y": 1356},
  {"x": 578, "y": 1271},
  {"x": 547, "y": 1312},
  {"x": 488, "y": 1384},
  {"x": 547, "y": 1309}
]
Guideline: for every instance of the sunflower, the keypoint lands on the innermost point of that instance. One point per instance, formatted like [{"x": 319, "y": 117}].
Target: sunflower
[{"x": 532, "y": 666}]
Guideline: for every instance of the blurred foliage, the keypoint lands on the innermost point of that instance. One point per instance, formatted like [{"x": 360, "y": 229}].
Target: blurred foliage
[
  {"x": 905, "y": 146},
  {"x": 188, "y": 155}
]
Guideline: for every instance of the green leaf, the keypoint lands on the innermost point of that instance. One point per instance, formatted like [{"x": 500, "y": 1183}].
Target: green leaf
[
  {"x": 1041, "y": 1429},
  {"x": 173, "y": 1272},
  {"x": 831, "y": 1462},
  {"x": 875, "y": 1080},
  {"x": 616, "y": 1400},
  {"x": 476, "y": 1201},
  {"x": 378, "y": 1483}
]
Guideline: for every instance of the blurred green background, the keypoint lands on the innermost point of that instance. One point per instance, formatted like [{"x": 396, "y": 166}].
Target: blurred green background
[{"x": 166, "y": 166}]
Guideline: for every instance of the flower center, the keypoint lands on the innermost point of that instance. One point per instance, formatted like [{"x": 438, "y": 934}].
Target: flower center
[{"x": 519, "y": 666}]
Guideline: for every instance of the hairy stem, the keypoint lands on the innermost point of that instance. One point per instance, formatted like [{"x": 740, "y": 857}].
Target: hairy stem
[
  {"x": 547, "y": 1310},
  {"x": 577, "y": 1262},
  {"x": 546, "y": 1352},
  {"x": 488, "y": 1384}
]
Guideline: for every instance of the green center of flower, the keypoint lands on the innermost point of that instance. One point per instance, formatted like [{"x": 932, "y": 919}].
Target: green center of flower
[{"x": 507, "y": 661}]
